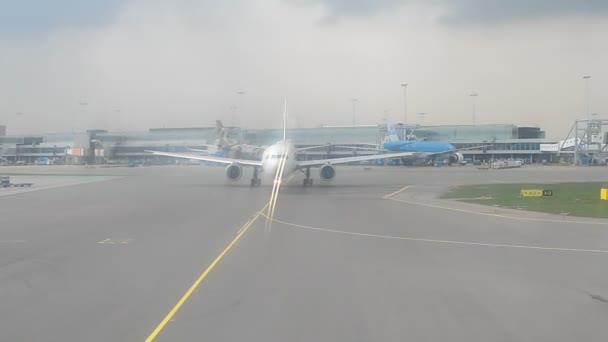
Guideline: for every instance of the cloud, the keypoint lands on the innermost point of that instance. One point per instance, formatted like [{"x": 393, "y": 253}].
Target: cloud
[
  {"x": 25, "y": 17},
  {"x": 492, "y": 11},
  {"x": 470, "y": 11},
  {"x": 181, "y": 63},
  {"x": 340, "y": 8}
]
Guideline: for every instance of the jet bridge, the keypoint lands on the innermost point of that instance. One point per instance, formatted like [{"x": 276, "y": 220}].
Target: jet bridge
[{"x": 587, "y": 141}]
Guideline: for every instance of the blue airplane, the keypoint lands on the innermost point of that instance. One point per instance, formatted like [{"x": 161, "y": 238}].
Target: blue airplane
[
  {"x": 425, "y": 149},
  {"x": 437, "y": 151},
  {"x": 394, "y": 144}
]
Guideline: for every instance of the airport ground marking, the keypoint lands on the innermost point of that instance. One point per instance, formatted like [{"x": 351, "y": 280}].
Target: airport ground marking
[
  {"x": 184, "y": 298},
  {"x": 497, "y": 215},
  {"x": 111, "y": 241},
  {"x": 453, "y": 242},
  {"x": 34, "y": 188},
  {"x": 396, "y": 192}
]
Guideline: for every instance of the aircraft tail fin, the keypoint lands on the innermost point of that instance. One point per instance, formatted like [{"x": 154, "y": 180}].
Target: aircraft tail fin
[
  {"x": 218, "y": 137},
  {"x": 392, "y": 134}
]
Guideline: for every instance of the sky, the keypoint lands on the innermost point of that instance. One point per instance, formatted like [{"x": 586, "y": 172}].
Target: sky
[{"x": 127, "y": 65}]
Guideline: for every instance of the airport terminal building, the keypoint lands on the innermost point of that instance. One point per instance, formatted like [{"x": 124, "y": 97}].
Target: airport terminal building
[{"x": 499, "y": 141}]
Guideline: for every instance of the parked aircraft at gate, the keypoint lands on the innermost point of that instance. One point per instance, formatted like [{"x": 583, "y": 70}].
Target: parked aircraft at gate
[
  {"x": 280, "y": 159},
  {"x": 422, "y": 148},
  {"x": 419, "y": 149}
]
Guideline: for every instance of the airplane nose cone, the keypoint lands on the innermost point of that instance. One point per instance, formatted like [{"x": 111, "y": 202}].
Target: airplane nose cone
[{"x": 270, "y": 169}]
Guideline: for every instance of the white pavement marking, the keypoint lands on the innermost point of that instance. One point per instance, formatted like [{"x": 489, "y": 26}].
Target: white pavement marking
[
  {"x": 396, "y": 192},
  {"x": 111, "y": 241},
  {"x": 10, "y": 242},
  {"x": 33, "y": 188},
  {"x": 498, "y": 215},
  {"x": 389, "y": 197},
  {"x": 482, "y": 244}
]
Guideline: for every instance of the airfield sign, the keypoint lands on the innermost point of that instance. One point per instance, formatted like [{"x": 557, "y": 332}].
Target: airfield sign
[{"x": 535, "y": 192}]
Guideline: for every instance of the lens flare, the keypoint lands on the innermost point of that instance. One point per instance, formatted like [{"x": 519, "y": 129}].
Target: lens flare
[{"x": 276, "y": 186}]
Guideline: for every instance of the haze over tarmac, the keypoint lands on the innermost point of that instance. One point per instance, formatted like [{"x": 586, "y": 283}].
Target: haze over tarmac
[{"x": 103, "y": 254}]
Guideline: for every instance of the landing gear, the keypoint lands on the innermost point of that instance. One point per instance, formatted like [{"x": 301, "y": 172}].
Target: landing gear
[
  {"x": 407, "y": 161},
  {"x": 256, "y": 180},
  {"x": 307, "y": 181}
]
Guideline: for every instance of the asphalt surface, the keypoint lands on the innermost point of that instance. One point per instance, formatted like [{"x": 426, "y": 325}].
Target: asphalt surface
[{"x": 375, "y": 256}]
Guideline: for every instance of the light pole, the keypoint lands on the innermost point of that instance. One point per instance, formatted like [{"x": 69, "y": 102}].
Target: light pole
[
  {"x": 421, "y": 118},
  {"x": 474, "y": 97},
  {"x": 587, "y": 79},
  {"x": 354, "y": 101},
  {"x": 404, "y": 85}
]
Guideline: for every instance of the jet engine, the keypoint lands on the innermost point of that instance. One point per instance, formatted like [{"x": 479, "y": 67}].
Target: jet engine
[
  {"x": 234, "y": 172},
  {"x": 456, "y": 158},
  {"x": 327, "y": 172}
]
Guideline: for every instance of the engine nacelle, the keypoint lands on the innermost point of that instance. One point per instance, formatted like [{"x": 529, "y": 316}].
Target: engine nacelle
[
  {"x": 456, "y": 158},
  {"x": 327, "y": 172},
  {"x": 234, "y": 172}
]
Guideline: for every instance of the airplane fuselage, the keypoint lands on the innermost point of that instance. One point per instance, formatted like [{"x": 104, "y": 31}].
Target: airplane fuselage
[
  {"x": 418, "y": 146},
  {"x": 277, "y": 154}
]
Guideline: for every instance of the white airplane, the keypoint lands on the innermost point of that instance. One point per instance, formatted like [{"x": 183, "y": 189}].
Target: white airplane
[
  {"x": 224, "y": 146},
  {"x": 280, "y": 159}
]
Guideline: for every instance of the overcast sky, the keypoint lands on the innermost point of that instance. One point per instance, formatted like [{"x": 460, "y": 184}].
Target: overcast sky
[{"x": 131, "y": 65}]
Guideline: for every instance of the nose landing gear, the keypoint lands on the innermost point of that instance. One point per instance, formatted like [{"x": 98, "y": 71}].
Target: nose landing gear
[{"x": 256, "y": 180}]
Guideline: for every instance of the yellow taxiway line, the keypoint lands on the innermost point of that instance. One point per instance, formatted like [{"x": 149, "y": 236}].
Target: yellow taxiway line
[{"x": 202, "y": 277}]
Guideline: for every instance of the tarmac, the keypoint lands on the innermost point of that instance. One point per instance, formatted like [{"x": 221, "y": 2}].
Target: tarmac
[{"x": 180, "y": 254}]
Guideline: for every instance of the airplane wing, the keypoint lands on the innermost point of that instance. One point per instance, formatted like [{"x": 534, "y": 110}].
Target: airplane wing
[
  {"x": 362, "y": 148},
  {"x": 253, "y": 147},
  {"x": 213, "y": 148},
  {"x": 311, "y": 147},
  {"x": 345, "y": 160},
  {"x": 197, "y": 150},
  {"x": 456, "y": 150},
  {"x": 420, "y": 153},
  {"x": 341, "y": 146},
  {"x": 209, "y": 150},
  {"x": 209, "y": 158}
]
